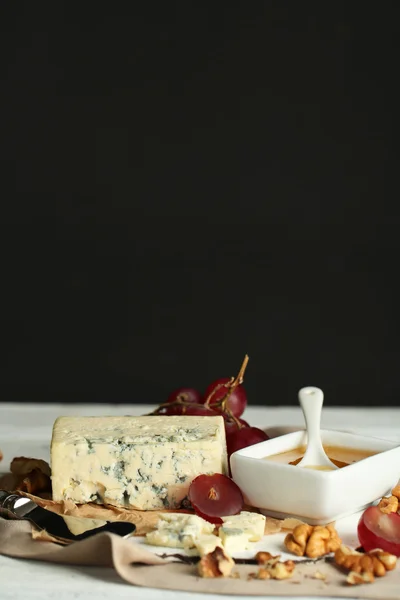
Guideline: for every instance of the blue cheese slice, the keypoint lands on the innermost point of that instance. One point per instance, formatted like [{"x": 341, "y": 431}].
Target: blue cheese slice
[
  {"x": 234, "y": 539},
  {"x": 143, "y": 463},
  {"x": 252, "y": 524},
  {"x": 179, "y": 531},
  {"x": 237, "y": 532}
]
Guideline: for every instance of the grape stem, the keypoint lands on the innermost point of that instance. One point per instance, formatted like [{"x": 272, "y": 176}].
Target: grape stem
[
  {"x": 181, "y": 400},
  {"x": 240, "y": 376},
  {"x": 231, "y": 385}
]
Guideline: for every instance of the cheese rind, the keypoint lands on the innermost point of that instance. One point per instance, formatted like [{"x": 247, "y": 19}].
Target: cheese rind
[{"x": 144, "y": 463}]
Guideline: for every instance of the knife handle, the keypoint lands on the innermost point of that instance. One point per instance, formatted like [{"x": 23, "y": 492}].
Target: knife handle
[{"x": 7, "y": 501}]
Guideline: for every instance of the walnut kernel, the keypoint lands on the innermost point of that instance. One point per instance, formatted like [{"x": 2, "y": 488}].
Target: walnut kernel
[
  {"x": 354, "y": 578},
  {"x": 312, "y": 541},
  {"x": 263, "y": 557},
  {"x": 216, "y": 564},
  {"x": 376, "y": 562},
  {"x": 389, "y": 504},
  {"x": 272, "y": 567},
  {"x": 396, "y": 491}
]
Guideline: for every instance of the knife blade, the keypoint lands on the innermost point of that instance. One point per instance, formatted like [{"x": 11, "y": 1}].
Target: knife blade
[{"x": 14, "y": 506}]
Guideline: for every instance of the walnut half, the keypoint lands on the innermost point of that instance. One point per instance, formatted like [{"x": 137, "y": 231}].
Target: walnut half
[
  {"x": 367, "y": 566},
  {"x": 312, "y": 541},
  {"x": 272, "y": 567},
  {"x": 215, "y": 564},
  {"x": 389, "y": 504},
  {"x": 354, "y": 578},
  {"x": 396, "y": 491}
]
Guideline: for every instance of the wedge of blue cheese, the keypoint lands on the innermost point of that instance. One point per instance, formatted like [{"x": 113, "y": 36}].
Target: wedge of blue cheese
[{"x": 143, "y": 463}]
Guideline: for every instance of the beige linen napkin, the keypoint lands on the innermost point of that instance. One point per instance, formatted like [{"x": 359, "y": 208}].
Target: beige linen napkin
[{"x": 137, "y": 566}]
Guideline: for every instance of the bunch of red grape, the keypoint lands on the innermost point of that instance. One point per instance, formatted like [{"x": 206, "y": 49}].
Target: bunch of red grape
[{"x": 225, "y": 396}]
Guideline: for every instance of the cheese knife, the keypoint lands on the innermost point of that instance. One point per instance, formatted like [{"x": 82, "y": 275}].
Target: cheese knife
[{"x": 13, "y": 506}]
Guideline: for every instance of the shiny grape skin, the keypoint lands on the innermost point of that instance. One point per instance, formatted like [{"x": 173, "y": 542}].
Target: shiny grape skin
[
  {"x": 214, "y": 496},
  {"x": 237, "y": 400},
  {"x": 370, "y": 540},
  {"x": 236, "y": 440}
]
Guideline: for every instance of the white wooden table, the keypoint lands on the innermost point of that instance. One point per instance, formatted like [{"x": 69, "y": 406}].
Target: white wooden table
[{"x": 25, "y": 430}]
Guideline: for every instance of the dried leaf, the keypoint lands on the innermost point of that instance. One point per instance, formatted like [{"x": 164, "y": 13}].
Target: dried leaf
[
  {"x": 34, "y": 482},
  {"x": 30, "y": 475},
  {"x": 22, "y": 465}
]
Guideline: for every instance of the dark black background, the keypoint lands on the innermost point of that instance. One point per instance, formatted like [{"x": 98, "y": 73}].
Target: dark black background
[{"x": 188, "y": 182}]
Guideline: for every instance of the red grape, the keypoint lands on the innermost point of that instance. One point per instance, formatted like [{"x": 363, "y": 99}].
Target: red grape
[
  {"x": 379, "y": 530},
  {"x": 247, "y": 436},
  {"x": 232, "y": 425},
  {"x": 180, "y": 401},
  {"x": 214, "y": 496},
  {"x": 185, "y": 394},
  {"x": 236, "y": 399}
]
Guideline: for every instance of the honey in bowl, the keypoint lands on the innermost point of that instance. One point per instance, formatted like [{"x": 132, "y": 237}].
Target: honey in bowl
[{"x": 341, "y": 456}]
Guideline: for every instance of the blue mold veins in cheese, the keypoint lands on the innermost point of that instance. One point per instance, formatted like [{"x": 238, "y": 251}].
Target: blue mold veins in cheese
[{"x": 143, "y": 463}]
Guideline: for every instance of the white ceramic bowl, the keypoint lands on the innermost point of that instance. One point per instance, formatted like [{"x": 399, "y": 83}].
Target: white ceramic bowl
[{"x": 317, "y": 497}]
